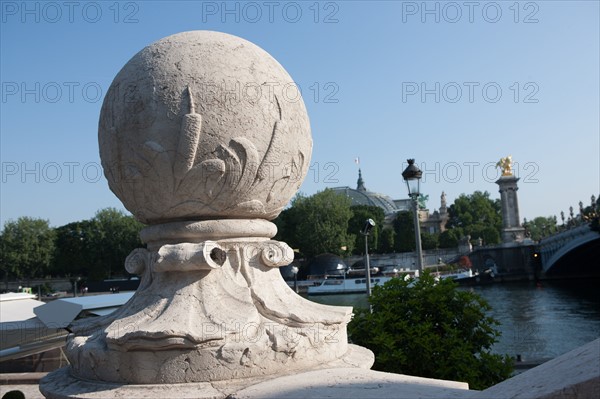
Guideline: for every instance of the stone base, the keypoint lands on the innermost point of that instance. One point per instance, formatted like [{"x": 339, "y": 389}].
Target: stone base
[
  {"x": 211, "y": 306},
  {"x": 61, "y": 384},
  {"x": 512, "y": 235}
]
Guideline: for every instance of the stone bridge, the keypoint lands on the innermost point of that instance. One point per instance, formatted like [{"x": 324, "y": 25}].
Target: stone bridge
[{"x": 573, "y": 251}]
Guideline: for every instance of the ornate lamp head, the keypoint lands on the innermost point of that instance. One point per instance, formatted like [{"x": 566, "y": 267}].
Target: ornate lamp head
[{"x": 412, "y": 176}]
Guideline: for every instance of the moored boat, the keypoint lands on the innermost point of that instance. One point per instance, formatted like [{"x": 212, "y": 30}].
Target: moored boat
[{"x": 346, "y": 285}]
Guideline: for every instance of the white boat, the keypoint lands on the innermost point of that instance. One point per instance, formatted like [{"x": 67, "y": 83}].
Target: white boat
[
  {"x": 359, "y": 285},
  {"x": 457, "y": 275},
  {"x": 346, "y": 286}
]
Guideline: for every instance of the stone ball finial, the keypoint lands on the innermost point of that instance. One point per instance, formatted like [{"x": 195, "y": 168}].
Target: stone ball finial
[{"x": 204, "y": 125}]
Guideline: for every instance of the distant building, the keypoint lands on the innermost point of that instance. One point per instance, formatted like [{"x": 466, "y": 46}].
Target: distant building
[
  {"x": 431, "y": 223},
  {"x": 362, "y": 196},
  {"x": 435, "y": 222}
]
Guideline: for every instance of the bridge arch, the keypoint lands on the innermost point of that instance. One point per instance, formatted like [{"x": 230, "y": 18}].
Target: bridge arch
[{"x": 558, "y": 252}]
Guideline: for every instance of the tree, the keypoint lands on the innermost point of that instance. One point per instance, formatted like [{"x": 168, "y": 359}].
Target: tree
[
  {"x": 318, "y": 224},
  {"x": 429, "y": 240},
  {"x": 26, "y": 247},
  {"x": 450, "y": 238},
  {"x": 286, "y": 224},
  {"x": 388, "y": 237},
  {"x": 112, "y": 237},
  {"x": 431, "y": 329},
  {"x": 541, "y": 227},
  {"x": 405, "y": 232},
  {"x": 476, "y": 215},
  {"x": 360, "y": 213},
  {"x": 96, "y": 248},
  {"x": 72, "y": 255}
]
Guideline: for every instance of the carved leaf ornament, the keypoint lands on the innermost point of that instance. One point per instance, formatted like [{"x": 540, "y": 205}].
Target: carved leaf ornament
[{"x": 220, "y": 184}]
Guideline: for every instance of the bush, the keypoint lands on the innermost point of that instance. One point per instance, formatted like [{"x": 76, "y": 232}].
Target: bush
[{"x": 431, "y": 329}]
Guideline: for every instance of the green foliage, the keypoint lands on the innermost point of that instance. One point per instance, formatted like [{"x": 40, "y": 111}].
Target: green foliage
[
  {"x": 112, "y": 236},
  {"x": 96, "y": 248},
  {"x": 405, "y": 232},
  {"x": 43, "y": 289},
  {"x": 317, "y": 224},
  {"x": 541, "y": 227},
  {"x": 432, "y": 330},
  {"x": 450, "y": 238},
  {"x": 72, "y": 255},
  {"x": 476, "y": 215},
  {"x": 429, "y": 240},
  {"x": 360, "y": 213},
  {"x": 404, "y": 229},
  {"x": 388, "y": 238},
  {"x": 26, "y": 247}
]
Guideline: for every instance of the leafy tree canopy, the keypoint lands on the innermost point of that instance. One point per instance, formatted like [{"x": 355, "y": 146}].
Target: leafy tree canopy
[
  {"x": 72, "y": 254},
  {"x": 541, "y": 227},
  {"x": 112, "y": 237},
  {"x": 431, "y": 329},
  {"x": 450, "y": 238},
  {"x": 476, "y": 215},
  {"x": 429, "y": 240},
  {"x": 317, "y": 224},
  {"x": 404, "y": 228},
  {"x": 96, "y": 248},
  {"x": 27, "y": 247},
  {"x": 387, "y": 241}
]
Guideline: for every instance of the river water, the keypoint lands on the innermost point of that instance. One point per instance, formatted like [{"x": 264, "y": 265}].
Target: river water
[{"x": 538, "y": 322}]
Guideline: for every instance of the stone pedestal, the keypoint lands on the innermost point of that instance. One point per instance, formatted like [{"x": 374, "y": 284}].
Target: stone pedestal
[
  {"x": 208, "y": 309},
  {"x": 512, "y": 231},
  {"x": 206, "y": 167}
]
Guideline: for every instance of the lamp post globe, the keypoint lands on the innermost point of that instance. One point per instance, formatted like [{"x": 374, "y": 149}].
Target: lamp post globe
[{"x": 412, "y": 176}]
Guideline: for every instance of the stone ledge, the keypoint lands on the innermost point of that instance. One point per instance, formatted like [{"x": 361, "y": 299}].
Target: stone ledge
[
  {"x": 576, "y": 374},
  {"x": 354, "y": 383}
]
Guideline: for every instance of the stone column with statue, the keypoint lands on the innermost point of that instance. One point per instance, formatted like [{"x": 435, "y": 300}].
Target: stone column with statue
[
  {"x": 202, "y": 139},
  {"x": 512, "y": 231}
]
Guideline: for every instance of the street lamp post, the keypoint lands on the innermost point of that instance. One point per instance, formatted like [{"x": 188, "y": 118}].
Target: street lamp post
[
  {"x": 75, "y": 288},
  {"x": 369, "y": 224},
  {"x": 412, "y": 175},
  {"x": 295, "y": 271}
]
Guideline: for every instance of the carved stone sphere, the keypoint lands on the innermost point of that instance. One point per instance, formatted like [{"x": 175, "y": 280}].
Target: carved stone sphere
[{"x": 204, "y": 125}]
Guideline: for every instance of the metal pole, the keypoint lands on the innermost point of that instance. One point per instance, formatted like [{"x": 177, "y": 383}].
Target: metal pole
[
  {"x": 417, "y": 235},
  {"x": 296, "y": 282},
  {"x": 367, "y": 265}
]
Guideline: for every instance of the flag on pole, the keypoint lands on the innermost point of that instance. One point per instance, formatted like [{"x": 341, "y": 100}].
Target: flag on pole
[{"x": 357, "y": 160}]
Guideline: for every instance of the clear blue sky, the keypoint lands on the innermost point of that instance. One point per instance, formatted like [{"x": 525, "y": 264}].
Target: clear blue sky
[{"x": 510, "y": 78}]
